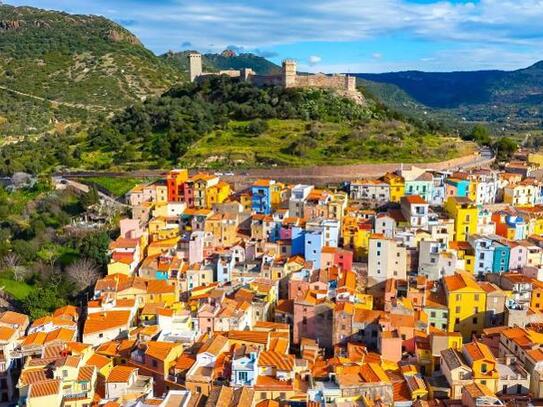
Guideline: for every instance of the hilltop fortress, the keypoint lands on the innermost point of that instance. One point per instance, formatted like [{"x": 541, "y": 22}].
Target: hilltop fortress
[{"x": 289, "y": 78}]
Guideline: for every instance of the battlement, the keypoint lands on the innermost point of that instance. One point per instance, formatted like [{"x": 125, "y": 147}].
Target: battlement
[{"x": 289, "y": 77}]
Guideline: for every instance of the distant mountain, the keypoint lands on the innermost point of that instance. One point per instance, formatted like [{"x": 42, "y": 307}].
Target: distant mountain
[
  {"x": 226, "y": 60},
  {"x": 81, "y": 63},
  {"x": 509, "y": 98}
]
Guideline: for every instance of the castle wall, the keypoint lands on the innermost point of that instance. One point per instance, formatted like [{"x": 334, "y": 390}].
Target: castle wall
[{"x": 339, "y": 82}]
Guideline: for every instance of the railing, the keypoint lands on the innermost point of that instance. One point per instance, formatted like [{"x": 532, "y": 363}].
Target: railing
[{"x": 80, "y": 395}]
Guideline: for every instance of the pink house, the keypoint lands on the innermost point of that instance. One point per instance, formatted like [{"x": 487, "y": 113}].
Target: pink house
[
  {"x": 313, "y": 318},
  {"x": 334, "y": 256},
  {"x": 518, "y": 257},
  {"x": 390, "y": 346}
]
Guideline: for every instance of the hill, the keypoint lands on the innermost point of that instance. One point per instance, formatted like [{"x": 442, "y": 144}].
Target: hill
[
  {"x": 224, "y": 61},
  {"x": 64, "y": 66},
  {"x": 221, "y": 122},
  {"x": 510, "y": 99}
]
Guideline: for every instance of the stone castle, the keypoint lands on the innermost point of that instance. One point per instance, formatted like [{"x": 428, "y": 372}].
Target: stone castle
[{"x": 289, "y": 78}]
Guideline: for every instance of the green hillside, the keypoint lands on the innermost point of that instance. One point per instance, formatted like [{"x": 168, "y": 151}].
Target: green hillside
[
  {"x": 506, "y": 99},
  {"x": 66, "y": 67},
  {"x": 221, "y": 122}
]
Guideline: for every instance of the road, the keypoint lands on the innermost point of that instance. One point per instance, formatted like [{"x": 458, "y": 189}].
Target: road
[{"x": 321, "y": 175}]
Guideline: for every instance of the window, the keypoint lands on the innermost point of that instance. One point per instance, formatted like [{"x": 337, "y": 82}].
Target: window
[
  {"x": 458, "y": 310},
  {"x": 304, "y": 320},
  {"x": 242, "y": 376},
  {"x": 154, "y": 363},
  {"x": 64, "y": 373},
  {"x": 476, "y": 297},
  {"x": 84, "y": 386},
  {"x": 474, "y": 320},
  {"x": 433, "y": 314}
]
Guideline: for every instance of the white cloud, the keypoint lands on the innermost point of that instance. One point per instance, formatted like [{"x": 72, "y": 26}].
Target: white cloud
[
  {"x": 377, "y": 55},
  {"x": 314, "y": 60},
  {"x": 264, "y": 24}
]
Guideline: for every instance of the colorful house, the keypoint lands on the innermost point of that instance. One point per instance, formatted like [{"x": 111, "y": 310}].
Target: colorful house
[
  {"x": 396, "y": 186},
  {"x": 466, "y": 301},
  {"x": 465, "y": 215}
]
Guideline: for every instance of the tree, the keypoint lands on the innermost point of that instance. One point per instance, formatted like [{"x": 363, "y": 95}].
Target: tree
[
  {"x": 83, "y": 273},
  {"x": 480, "y": 134},
  {"x": 94, "y": 247},
  {"x": 41, "y": 302},
  {"x": 90, "y": 198},
  {"x": 505, "y": 147}
]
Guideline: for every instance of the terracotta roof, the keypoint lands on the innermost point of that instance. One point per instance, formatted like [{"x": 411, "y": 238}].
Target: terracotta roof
[
  {"x": 214, "y": 345},
  {"x": 98, "y": 361},
  {"x": 159, "y": 287},
  {"x": 6, "y": 333},
  {"x": 85, "y": 373},
  {"x": 44, "y": 388},
  {"x": 414, "y": 199},
  {"x": 275, "y": 359},
  {"x": 13, "y": 318},
  {"x": 121, "y": 374},
  {"x": 103, "y": 321},
  {"x": 160, "y": 350}
]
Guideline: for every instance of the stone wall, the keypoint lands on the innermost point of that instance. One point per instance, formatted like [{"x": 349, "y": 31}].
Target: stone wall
[{"x": 339, "y": 82}]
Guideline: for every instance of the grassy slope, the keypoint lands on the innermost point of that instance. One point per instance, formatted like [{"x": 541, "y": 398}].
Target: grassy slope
[
  {"x": 86, "y": 60},
  {"x": 377, "y": 142},
  {"x": 116, "y": 186}
]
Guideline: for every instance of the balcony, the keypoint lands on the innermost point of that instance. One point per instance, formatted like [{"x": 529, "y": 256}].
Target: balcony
[{"x": 81, "y": 395}]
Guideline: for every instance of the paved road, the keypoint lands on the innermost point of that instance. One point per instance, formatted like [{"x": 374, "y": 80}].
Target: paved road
[{"x": 311, "y": 175}]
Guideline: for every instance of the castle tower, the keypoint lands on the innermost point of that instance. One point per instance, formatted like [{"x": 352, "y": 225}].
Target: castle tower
[
  {"x": 195, "y": 65},
  {"x": 289, "y": 73}
]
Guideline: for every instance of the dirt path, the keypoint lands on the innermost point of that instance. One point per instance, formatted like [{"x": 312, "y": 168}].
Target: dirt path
[{"x": 54, "y": 102}]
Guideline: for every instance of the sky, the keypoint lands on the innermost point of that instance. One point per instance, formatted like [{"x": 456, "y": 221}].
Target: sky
[{"x": 336, "y": 35}]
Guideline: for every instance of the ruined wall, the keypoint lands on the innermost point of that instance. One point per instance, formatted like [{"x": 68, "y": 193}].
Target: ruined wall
[{"x": 340, "y": 82}]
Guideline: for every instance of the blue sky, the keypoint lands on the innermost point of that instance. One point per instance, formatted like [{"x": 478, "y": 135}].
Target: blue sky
[{"x": 337, "y": 35}]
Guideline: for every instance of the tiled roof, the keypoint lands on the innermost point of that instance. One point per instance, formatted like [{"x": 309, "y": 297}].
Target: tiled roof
[
  {"x": 44, "y": 388},
  {"x": 121, "y": 374},
  {"x": 6, "y": 333},
  {"x": 103, "y": 321},
  {"x": 85, "y": 373},
  {"x": 13, "y": 318},
  {"x": 275, "y": 359},
  {"x": 159, "y": 350}
]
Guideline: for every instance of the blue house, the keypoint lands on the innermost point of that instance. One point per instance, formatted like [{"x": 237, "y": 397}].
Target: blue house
[
  {"x": 484, "y": 254},
  {"x": 500, "y": 261},
  {"x": 457, "y": 187},
  {"x": 298, "y": 241},
  {"x": 244, "y": 368},
  {"x": 225, "y": 265},
  {"x": 314, "y": 242},
  {"x": 261, "y": 197}
]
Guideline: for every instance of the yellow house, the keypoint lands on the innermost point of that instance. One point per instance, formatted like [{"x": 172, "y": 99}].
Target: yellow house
[
  {"x": 119, "y": 267},
  {"x": 397, "y": 186},
  {"x": 536, "y": 158},
  {"x": 278, "y": 192},
  {"x": 465, "y": 255},
  {"x": 217, "y": 193},
  {"x": 201, "y": 184},
  {"x": 465, "y": 215},
  {"x": 160, "y": 291},
  {"x": 356, "y": 235},
  {"x": 483, "y": 364},
  {"x": 466, "y": 302}
]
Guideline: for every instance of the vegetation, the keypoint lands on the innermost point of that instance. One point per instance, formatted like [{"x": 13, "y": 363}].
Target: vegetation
[
  {"x": 39, "y": 253},
  {"x": 116, "y": 186},
  {"x": 69, "y": 67},
  {"x": 510, "y": 101}
]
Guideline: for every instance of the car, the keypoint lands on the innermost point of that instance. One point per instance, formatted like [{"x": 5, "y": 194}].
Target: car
[
  {"x": 219, "y": 174},
  {"x": 229, "y": 174}
]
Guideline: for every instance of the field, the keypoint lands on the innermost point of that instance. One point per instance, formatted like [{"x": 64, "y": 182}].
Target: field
[
  {"x": 299, "y": 143},
  {"x": 17, "y": 290},
  {"x": 114, "y": 185}
]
